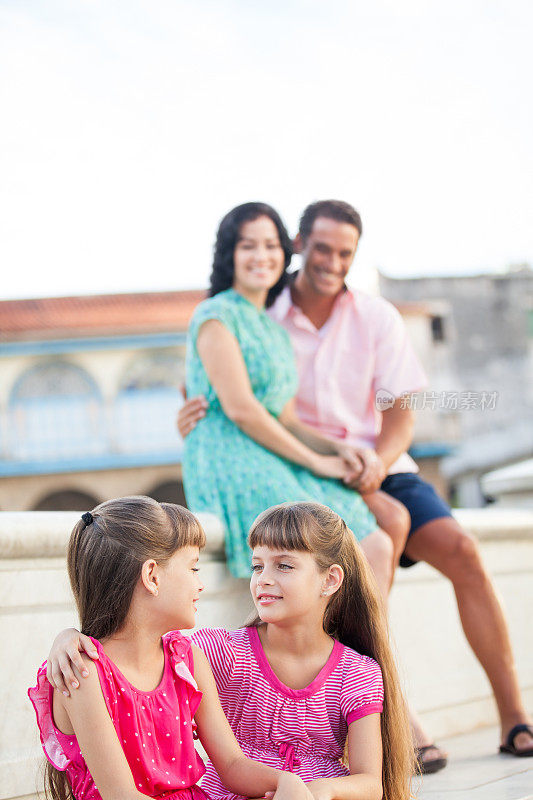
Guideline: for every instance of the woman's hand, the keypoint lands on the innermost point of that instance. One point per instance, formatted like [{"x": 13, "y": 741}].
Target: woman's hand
[
  {"x": 367, "y": 470},
  {"x": 66, "y": 652},
  {"x": 329, "y": 466},
  {"x": 354, "y": 462}
]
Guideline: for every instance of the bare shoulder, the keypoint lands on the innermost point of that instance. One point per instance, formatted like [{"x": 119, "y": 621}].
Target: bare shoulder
[
  {"x": 203, "y": 673},
  {"x": 199, "y": 658}
]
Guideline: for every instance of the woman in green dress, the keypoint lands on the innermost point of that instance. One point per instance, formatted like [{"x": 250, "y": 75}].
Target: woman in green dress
[{"x": 249, "y": 452}]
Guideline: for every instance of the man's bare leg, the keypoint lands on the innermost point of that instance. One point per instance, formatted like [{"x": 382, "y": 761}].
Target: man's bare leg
[
  {"x": 378, "y": 549},
  {"x": 444, "y": 545},
  {"x": 393, "y": 518}
]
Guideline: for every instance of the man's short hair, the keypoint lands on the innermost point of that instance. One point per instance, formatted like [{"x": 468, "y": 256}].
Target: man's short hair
[{"x": 331, "y": 209}]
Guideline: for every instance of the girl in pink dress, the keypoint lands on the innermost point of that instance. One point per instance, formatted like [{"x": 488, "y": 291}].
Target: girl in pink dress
[
  {"x": 128, "y": 732},
  {"x": 312, "y": 677}
]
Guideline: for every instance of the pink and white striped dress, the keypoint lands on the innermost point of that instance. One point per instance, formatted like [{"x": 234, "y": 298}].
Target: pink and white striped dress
[{"x": 302, "y": 730}]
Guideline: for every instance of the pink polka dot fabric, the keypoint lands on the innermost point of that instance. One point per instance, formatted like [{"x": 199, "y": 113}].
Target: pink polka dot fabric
[{"x": 155, "y": 729}]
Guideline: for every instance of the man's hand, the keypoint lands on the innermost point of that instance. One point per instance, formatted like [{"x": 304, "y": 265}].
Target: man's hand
[
  {"x": 189, "y": 414},
  {"x": 353, "y": 461},
  {"x": 368, "y": 477},
  {"x": 374, "y": 471}
]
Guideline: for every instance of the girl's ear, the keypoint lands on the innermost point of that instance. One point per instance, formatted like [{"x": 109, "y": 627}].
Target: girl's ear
[
  {"x": 150, "y": 577},
  {"x": 333, "y": 581}
]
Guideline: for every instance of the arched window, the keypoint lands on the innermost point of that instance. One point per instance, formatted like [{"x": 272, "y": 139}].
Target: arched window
[
  {"x": 66, "y": 500},
  {"x": 55, "y": 412},
  {"x": 169, "y": 492},
  {"x": 147, "y": 404}
]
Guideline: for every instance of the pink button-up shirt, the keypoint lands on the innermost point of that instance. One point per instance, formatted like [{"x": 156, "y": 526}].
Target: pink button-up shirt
[{"x": 361, "y": 352}]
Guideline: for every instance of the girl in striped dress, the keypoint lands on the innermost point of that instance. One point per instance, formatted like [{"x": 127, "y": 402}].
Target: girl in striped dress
[{"x": 312, "y": 677}]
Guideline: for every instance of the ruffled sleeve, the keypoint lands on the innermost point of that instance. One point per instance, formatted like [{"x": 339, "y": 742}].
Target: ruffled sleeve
[
  {"x": 182, "y": 661},
  {"x": 219, "y": 308},
  {"x": 41, "y": 697},
  {"x": 57, "y": 746},
  {"x": 218, "y": 647},
  {"x": 362, "y": 688}
]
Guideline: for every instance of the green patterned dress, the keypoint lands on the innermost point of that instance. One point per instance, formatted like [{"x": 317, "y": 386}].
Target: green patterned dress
[{"x": 224, "y": 470}]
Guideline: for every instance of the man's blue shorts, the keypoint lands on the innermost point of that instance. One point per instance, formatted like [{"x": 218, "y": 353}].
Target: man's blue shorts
[{"x": 421, "y": 500}]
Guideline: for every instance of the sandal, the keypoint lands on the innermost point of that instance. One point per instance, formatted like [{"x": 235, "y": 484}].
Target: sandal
[
  {"x": 509, "y": 746},
  {"x": 432, "y": 764}
]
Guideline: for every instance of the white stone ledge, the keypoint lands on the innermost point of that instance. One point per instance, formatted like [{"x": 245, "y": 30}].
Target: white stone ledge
[
  {"x": 45, "y": 534},
  {"x": 496, "y": 524},
  {"x": 443, "y": 680}
]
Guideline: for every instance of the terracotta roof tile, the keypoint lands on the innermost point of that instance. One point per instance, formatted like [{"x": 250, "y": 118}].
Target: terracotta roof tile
[
  {"x": 111, "y": 314},
  {"x": 97, "y": 315}
]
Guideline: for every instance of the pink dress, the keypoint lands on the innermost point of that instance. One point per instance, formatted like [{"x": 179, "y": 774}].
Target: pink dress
[
  {"x": 155, "y": 728},
  {"x": 302, "y": 730}
]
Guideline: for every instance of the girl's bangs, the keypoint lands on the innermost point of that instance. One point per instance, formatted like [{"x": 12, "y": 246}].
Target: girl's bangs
[
  {"x": 281, "y": 528},
  {"x": 187, "y": 528}
]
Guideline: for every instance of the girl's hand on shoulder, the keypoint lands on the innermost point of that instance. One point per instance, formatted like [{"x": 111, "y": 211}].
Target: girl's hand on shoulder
[{"x": 65, "y": 654}]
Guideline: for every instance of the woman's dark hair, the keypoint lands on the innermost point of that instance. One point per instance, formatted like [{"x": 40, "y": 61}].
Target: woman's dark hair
[
  {"x": 354, "y": 616},
  {"x": 104, "y": 560},
  {"x": 227, "y": 237}
]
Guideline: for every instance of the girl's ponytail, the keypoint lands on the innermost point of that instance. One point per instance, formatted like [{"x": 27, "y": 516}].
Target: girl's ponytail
[
  {"x": 355, "y": 616},
  {"x": 106, "y": 551}
]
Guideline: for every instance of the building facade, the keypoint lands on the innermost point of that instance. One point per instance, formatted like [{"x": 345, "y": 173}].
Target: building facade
[
  {"x": 485, "y": 326},
  {"x": 90, "y": 391},
  {"x": 89, "y": 395}
]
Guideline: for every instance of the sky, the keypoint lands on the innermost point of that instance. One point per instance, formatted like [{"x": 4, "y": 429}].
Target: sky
[{"x": 130, "y": 127}]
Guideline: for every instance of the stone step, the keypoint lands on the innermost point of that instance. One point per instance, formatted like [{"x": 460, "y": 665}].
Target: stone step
[{"x": 476, "y": 771}]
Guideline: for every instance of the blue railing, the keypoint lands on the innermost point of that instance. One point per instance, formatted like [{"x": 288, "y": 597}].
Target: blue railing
[{"x": 42, "y": 434}]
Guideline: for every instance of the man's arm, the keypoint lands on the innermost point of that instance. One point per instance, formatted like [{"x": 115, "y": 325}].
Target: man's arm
[
  {"x": 394, "y": 439},
  {"x": 396, "y": 433}
]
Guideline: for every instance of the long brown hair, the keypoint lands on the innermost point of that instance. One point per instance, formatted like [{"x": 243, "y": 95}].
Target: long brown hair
[
  {"x": 105, "y": 559},
  {"x": 354, "y": 616}
]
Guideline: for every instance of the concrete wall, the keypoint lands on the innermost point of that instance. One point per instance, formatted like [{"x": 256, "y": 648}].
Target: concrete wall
[
  {"x": 443, "y": 680},
  {"x": 488, "y": 334}
]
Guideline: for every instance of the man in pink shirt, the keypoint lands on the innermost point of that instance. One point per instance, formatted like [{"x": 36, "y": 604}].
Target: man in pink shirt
[{"x": 351, "y": 350}]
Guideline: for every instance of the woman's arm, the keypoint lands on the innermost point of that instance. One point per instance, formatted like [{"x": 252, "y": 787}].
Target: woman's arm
[
  {"x": 87, "y": 713},
  {"x": 317, "y": 441},
  {"x": 364, "y": 759},
  {"x": 305, "y": 433},
  {"x": 239, "y": 774},
  {"x": 222, "y": 359}
]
